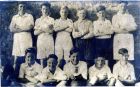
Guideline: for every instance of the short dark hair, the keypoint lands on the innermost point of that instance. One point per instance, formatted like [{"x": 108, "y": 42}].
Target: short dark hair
[
  {"x": 123, "y": 51},
  {"x": 103, "y": 59},
  {"x": 46, "y": 4},
  {"x": 125, "y": 2},
  {"x": 74, "y": 50},
  {"x": 82, "y": 9},
  {"x": 100, "y": 8},
  {"x": 21, "y": 2},
  {"x": 65, "y": 7},
  {"x": 53, "y": 56},
  {"x": 30, "y": 50}
]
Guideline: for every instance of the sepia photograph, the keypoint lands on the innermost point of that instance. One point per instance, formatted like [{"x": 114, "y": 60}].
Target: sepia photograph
[{"x": 69, "y": 43}]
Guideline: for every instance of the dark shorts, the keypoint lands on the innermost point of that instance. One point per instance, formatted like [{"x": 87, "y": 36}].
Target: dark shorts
[
  {"x": 104, "y": 48},
  {"x": 86, "y": 48}
]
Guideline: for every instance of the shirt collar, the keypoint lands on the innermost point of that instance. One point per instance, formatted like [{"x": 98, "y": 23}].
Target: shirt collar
[
  {"x": 42, "y": 17},
  {"x": 101, "y": 68},
  {"x": 123, "y": 65},
  {"x": 24, "y": 15},
  {"x": 57, "y": 68},
  {"x": 75, "y": 65}
]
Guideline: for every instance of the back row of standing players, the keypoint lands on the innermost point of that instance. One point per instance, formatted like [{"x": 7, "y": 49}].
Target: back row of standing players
[{"x": 82, "y": 30}]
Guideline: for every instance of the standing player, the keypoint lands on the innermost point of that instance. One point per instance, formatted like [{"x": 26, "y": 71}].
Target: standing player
[
  {"x": 63, "y": 27},
  {"x": 44, "y": 30}
]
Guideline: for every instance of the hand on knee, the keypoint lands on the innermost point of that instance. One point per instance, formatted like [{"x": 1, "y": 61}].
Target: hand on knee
[
  {"x": 112, "y": 82},
  {"x": 93, "y": 80}
]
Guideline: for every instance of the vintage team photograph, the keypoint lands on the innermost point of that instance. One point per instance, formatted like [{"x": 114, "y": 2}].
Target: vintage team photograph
[{"x": 70, "y": 43}]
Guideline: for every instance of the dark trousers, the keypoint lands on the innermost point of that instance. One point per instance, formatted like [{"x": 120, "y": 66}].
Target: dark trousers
[{"x": 86, "y": 48}]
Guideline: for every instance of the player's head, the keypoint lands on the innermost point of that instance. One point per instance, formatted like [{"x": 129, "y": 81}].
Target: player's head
[
  {"x": 64, "y": 11},
  {"x": 21, "y": 7},
  {"x": 81, "y": 13},
  {"x": 74, "y": 56},
  {"x": 45, "y": 8},
  {"x": 30, "y": 55},
  {"x": 124, "y": 53},
  {"x": 101, "y": 11},
  {"x": 99, "y": 62},
  {"x": 52, "y": 62},
  {"x": 122, "y": 6}
]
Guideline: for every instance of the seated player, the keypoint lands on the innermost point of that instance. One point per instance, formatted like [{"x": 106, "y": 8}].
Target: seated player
[
  {"x": 75, "y": 70},
  {"x": 123, "y": 70},
  {"x": 51, "y": 75},
  {"x": 30, "y": 69},
  {"x": 100, "y": 73}
]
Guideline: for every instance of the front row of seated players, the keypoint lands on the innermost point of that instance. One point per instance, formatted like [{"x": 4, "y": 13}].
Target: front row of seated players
[
  {"x": 33, "y": 73},
  {"x": 75, "y": 72}
]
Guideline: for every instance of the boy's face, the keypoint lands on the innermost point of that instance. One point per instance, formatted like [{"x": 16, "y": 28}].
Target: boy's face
[
  {"x": 101, "y": 14},
  {"x": 81, "y": 14},
  {"x": 99, "y": 62},
  {"x": 125, "y": 57},
  {"x": 122, "y": 7},
  {"x": 51, "y": 63},
  {"x": 45, "y": 10},
  {"x": 21, "y": 7},
  {"x": 30, "y": 58},
  {"x": 74, "y": 58},
  {"x": 63, "y": 13}
]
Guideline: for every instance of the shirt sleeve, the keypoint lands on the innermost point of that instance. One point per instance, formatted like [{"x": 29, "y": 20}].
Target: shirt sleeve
[
  {"x": 70, "y": 25},
  {"x": 92, "y": 72},
  {"x": 43, "y": 75},
  {"x": 30, "y": 23},
  {"x": 95, "y": 31},
  {"x": 87, "y": 25},
  {"x": 28, "y": 72},
  {"x": 91, "y": 31},
  {"x": 22, "y": 71},
  {"x": 84, "y": 70},
  {"x": 133, "y": 73},
  {"x": 12, "y": 24},
  {"x": 66, "y": 70},
  {"x": 36, "y": 24},
  {"x": 31, "y": 20},
  {"x": 131, "y": 24},
  {"x": 75, "y": 26},
  {"x": 91, "y": 28},
  {"x": 75, "y": 29},
  {"x": 115, "y": 23},
  {"x": 59, "y": 75},
  {"x": 115, "y": 71},
  {"x": 109, "y": 27},
  {"x": 39, "y": 68},
  {"x": 52, "y": 21},
  {"x": 56, "y": 24},
  {"x": 109, "y": 74}
]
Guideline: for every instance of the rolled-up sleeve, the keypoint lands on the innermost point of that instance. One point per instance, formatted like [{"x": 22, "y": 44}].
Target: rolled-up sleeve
[{"x": 22, "y": 71}]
